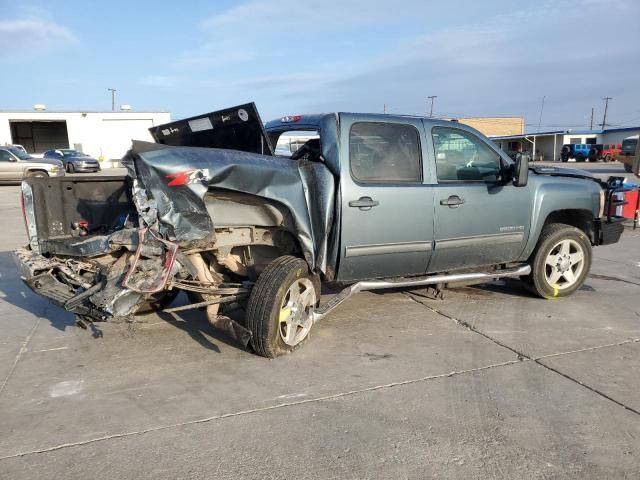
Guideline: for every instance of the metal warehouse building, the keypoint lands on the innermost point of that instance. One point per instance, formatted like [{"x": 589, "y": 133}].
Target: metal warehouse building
[
  {"x": 547, "y": 145},
  {"x": 106, "y": 134}
]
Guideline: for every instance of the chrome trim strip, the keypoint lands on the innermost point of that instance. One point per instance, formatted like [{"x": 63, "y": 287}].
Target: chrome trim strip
[
  {"x": 382, "y": 248},
  {"x": 416, "y": 282},
  {"x": 493, "y": 239}
]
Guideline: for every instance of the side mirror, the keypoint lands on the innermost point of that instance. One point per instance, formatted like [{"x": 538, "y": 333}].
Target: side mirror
[{"x": 521, "y": 171}]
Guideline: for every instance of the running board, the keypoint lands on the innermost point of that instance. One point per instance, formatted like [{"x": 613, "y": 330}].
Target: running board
[{"x": 344, "y": 294}]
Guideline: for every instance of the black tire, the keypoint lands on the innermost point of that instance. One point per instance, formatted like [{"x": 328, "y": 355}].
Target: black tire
[
  {"x": 70, "y": 168},
  {"x": 37, "y": 174},
  {"x": 550, "y": 237},
  {"x": 579, "y": 158},
  {"x": 607, "y": 158},
  {"x": 627, "y": 167},
  {"x": 265, "y": 304}
]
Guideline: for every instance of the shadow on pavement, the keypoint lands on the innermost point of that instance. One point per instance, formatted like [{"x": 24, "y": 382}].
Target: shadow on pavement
[{"x": 14, "y": 292}]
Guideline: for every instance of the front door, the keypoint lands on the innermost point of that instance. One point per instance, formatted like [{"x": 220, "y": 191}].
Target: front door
[
  {"x": 479, "y": 219},
  {"x": 10, "y": 168},
  {"x": 387, "y": 223}
]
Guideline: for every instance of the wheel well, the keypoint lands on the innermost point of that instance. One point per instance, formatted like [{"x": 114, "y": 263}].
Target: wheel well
[
  {"x": 581, "y": 219},
  {"x": 34, "y": 170}
]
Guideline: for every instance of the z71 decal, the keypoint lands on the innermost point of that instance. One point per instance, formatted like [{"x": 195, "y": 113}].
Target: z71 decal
[{"x": 187, "y": 177}]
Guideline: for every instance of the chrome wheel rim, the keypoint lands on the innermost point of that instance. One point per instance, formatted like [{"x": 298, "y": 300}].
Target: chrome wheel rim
[
  {"x": 564, "y": 264},
  {"x": 296, "y": 312}
]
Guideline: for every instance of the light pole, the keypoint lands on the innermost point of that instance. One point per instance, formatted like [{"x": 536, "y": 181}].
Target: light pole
[
  {"x": 606, "y": 105},
  {"x": 432, "y": 97},
  {"x": 113, "y": 99},
  {"x": 541, "y": 110}
]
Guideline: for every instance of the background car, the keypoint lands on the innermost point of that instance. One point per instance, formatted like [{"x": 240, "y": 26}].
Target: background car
[
  {"x": 16, "y": 165},
  {"x": 74, "y": 161}
]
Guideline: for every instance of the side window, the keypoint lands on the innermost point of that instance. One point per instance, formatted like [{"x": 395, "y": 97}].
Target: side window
[
  {"x": 461, "y": 156},
  {"x": 385, "y": 152},
  {"x": 5, "y": 156}
]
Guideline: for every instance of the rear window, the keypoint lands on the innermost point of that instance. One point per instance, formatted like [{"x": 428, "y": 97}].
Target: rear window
[
  {"x": 385, "y": 152},
  {"x": 629, "y": 146},
  {"x": 289, "y": 142}
]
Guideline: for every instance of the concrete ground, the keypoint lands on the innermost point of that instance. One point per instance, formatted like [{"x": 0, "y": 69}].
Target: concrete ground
[{"x": 487, "y": 383}]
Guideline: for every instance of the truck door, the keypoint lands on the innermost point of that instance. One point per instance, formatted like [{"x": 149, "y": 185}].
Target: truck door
[
  {"x": 10, "y": 168},
  {"x": 387, "y": 210},
  {"x": 479, "y": 220}
]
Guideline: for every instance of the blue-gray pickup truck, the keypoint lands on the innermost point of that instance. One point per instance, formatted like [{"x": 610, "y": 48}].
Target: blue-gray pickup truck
[{"x": 364, "y": 202}]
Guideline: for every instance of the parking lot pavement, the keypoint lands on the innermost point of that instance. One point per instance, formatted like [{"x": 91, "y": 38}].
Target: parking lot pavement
[{"x": 487, "y": 383}]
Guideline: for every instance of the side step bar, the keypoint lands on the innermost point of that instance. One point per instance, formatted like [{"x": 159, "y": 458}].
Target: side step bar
[{"x": 344, "y": 294}]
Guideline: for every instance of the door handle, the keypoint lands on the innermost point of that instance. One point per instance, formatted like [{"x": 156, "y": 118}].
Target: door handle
[
  {"x": 453, "y": 201},
  {"x": 364, "y": 203}
]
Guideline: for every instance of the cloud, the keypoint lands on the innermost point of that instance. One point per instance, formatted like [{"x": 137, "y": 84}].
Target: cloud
[{"x": 32, "y": 36}]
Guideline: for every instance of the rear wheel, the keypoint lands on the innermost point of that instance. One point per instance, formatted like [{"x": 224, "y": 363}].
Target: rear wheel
[
  {"x": 560, "y": 262},
  {"x": 579, "y": 158},
  {"x": 627, "y": 167},
  {"x": 38, "y": 174},
  {"x": 279, "y": 311}
]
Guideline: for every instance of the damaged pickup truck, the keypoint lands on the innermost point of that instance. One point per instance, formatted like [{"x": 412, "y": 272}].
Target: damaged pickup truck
[{"x": 360, "y": 202}]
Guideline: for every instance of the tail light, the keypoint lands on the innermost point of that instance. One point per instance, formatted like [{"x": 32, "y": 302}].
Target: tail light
[{"x": 29, "y": 216}]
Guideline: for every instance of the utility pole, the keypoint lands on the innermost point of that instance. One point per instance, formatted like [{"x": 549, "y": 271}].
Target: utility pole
[
  {"x": 384, "y": 110},
  {"x": 113, "y": 99},
  {"x": 432, "y": 97},
  {"x": 591, "y": 124},
  {"x": 606, "y": 105},
  {"x": 541, "y": 110}
]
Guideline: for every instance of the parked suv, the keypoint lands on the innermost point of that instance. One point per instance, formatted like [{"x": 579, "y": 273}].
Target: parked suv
[
  {"x": 16, "y": 165},
  {"x": 579, "y": 151}
]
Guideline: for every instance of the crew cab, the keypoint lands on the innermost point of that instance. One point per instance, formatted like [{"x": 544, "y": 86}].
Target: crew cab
[
  {"x": 366, "y": 202},
  {"x": 16, "y": 164}
]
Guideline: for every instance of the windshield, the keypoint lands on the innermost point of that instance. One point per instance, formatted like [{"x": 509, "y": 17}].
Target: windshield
[
  {"x": 19, "y": 153},
  {"x": 73, "y": 153},
  {"x": 629, "y": 146}
]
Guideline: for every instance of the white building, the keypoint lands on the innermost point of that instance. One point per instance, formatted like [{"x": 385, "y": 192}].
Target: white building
[{"x": 99, "y": 134}]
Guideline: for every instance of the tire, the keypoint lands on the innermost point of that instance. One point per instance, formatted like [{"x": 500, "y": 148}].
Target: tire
[
  {"x": 627, "y": 167},
  {"x": 607, "y": 158},
  {"x": 271, "y": 297},
  {"x": 71, "y": 168},
  {"x": 37, "y": 174},
  {"x": 560, "y": 262},
  {"x": 579, "y": 158}
]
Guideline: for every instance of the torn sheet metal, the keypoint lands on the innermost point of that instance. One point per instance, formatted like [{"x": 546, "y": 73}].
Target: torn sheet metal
[{"x": 176, "y": 179}]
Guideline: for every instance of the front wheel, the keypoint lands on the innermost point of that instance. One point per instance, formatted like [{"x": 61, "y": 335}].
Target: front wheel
[
  {"x": 560, "y": 262},
  {"x": 280, "y": 307},
  {"x": 627, "y": 167}
]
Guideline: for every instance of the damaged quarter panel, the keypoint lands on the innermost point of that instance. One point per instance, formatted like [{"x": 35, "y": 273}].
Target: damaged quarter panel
[{"x": 178, "y": 178}]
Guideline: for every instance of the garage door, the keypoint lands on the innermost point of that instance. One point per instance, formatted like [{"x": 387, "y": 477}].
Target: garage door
[
  {"x": 38, "y": 137},
  {"x": 117, "y": 135}
]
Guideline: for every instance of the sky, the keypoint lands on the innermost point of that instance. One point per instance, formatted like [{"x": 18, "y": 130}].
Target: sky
[{"x": 481, "y": 58}]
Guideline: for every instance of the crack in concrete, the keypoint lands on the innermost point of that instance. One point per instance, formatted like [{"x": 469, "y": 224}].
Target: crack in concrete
[
  {"x": 598, "y": 276},
  {"x": 23, "y": 348},
  {"x": 523, "y": 356},
  {"x": 259, "y": 410}
]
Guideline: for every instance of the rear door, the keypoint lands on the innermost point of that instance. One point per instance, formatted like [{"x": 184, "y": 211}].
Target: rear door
[
  {"x": 479, "y": 219},
  {"x": 387, "y": 210}
]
